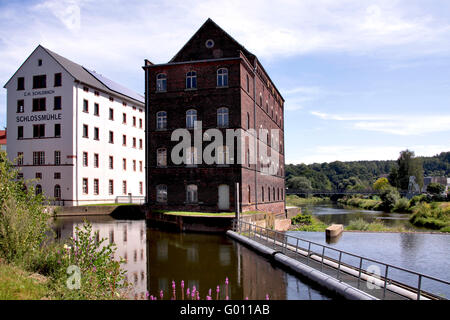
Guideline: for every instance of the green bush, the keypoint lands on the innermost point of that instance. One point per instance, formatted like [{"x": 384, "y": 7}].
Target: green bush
[
  {"x": 358, "y": 224},
  {"x": 418, "y": 199},
  {"x": 402, "y": 205},
  {"x": 389, "y": 198},
  {"x": 302, "y": 219}
]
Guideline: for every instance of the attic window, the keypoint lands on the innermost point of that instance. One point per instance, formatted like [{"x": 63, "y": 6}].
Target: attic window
[
  {"x": 40, "y": 62},
  {"x": 209, "y": 43}
]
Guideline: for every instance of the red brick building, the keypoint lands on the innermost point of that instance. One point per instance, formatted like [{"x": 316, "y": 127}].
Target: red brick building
[
  {"x": 3, "y": 140},
  {"x": 215, "y": 80}
]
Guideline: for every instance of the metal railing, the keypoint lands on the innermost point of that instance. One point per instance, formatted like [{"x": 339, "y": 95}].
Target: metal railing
[
  {"x": 291, "y": 244},
  {"x": 130, "y": 199}
]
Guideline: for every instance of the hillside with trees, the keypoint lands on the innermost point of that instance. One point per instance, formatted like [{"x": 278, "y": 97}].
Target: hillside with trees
[{"x": 361, "y": 175}]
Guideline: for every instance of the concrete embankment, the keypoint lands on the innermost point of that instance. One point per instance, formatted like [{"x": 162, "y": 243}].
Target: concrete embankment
[
  {"x": 116, "y": 211},
  {"x": 318, "y": 277}
]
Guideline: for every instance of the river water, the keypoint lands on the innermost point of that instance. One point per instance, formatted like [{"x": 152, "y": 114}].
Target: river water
[{"x": 156, "y": 258}]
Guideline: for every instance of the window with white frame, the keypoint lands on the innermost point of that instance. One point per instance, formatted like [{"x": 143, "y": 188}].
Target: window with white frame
[
  {"x": 161, "y": 120},
  {"x": 222, "y": 77},
  {"x": 161, "y": 157},
  {"x": 161, "y": 193},
  {"x": 191, "y": 80},
  {"x": 223, "y": 155},
  {"x": 161, "y": 82},
  {"x": 191, "y": 193},
  {"x": 191, "y": 156},
  {"x": 222, "y": 117},
  {"x": 191, "y": 117}
]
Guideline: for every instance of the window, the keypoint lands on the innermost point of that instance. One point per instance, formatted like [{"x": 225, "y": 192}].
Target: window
[
  {"x": 140, "y": 144},
  {"x": 134, "y": 165},
  {"x": 96, "y": 133},
  {"x": 39, "y": 104},
  {"x": 111, "y": 137},
  {"x": 161, "y": 120},
  {"x": 124, "y": 164},
  {"x": 38, "y": 158},
  {"x": 134, "y": 142},
  {"x": 248, "y": 84},
  {"x": 19, "y": 158},
  {"x": 191, "y": 193},
  {"x": 85, "y": 89},
  {"x": 141, "y": 187},
  {"x": 19, "y": 132},
  {"x": 20, "y": 83},
  {"x": 111, "y": 162},
  {"x": 85, "y": 105},
  {"x": 58, "y": 80},
  {"x": 161, "y": 193},
  {"x": 57, "y": 192},
  {"x": 57, "y": 158},
  {"x": 140, "y": 166},
  {"x": 20, "y": 106},
  {"x": 96, "y": 93},
  {"x": 57, "y": 130},
  {"x": 40, "y": 62},
  {"x": 134, "y": 121},
  {"x": 85, "y": 159},
  {"x": 38, "y": 175},
  {"x": 161, "y": 82},
  {"x": 191, "y": 117},
  {"x": 57, "y": 175},
  {"x": 249, "y": 194},
  {"x": 111, "y": 114},
  {"x": 248, "y": 120},
  {"x": 57, "y": 103},
  {"x": 96, "y": 186},
  {"x": 96, "y": 162},
  {"x": 161, "y": 157},
  {"x": 38, "y": 130},
  {"x": 124, "y": 118},
  {"x": 140, "y": 122},
  {"x": 111, "y": 187},
  {"x": 124, "y": 140},
  {"x": 85, "y": 131},
  {"x": 40, "y": 82},
  {"x": 124, "y": 187},
  {"x": 262, "y": 194},
  {"x": 85, "y": 186},
  {"x": 96, "y": 109},
  {"x": 38, "y": 189},
  {"x": 222, "y": 117},
  {"x": 191, "y": 80},
  {"x": 222, "y": 77}
]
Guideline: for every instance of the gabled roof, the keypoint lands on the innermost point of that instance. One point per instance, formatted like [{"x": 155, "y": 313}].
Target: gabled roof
[
  {"x": 91, "y": 78},
  {"x": 210, "y": 27}
]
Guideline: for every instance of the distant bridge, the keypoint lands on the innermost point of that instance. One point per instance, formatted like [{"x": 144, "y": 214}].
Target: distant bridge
[{"x": 338, "y": 192}]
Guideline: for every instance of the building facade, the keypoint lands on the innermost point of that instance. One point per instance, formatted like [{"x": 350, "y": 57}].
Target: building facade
[
  {"x": 80, "y": 134},
  {"x": 216, "y": 81}
]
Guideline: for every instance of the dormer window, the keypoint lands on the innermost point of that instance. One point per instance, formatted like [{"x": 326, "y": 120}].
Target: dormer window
[
  {"x": 161, "y": 82},
  {"x": 191, "y": 80}
]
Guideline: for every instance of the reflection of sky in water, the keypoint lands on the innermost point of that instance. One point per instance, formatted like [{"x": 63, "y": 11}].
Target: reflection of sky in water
[{"x": 224, "y": 256}]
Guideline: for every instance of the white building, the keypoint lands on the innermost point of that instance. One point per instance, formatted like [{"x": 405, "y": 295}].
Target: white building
[{"x": 80, "y": 134}]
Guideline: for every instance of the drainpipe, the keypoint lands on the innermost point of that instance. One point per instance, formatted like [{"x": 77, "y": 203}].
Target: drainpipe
[
  {"x": 256, "y": 137},
  {"x": 76, "y": 144}
]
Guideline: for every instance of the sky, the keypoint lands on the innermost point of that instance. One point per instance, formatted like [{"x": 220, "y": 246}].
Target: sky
[{"x": 362, "y": 80}]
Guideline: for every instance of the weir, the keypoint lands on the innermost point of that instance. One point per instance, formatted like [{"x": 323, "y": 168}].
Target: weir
[{"x": 346, "y": 274}]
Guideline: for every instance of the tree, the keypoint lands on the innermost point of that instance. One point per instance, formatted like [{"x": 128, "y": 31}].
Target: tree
[
  {"x": 301, "y": 183},
  {"x": 381, "y": 184},
  {"x": 409, "y": 165},
  {"x": 435, "y": 188}
]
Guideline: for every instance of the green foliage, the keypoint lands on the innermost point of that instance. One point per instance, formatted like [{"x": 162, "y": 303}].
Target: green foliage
[
  {"x": 307, "y": 222},
  {"x": 358, "y": 224},
  {"x": 381, "y": 184},
  {"x": 389, "y": 198},
  {"x": 296, "y": 201},
  {"x": 24, "y": 224},
  {"x": 302, "y": 219},
  {"x": 409, "y": 165},
  {"x": 435, "y": 188},
  {"x": 432, "y": 216},
  {"x": 301, "y": 183},
  {"x": 418, "y": 199},
  {"x": 402, "y": 205},
  {"x": 357, "y": 201}
]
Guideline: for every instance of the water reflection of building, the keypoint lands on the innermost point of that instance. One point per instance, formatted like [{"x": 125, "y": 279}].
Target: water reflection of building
[
  {"x": 130, "y": 239},
  {"x": 203, "y": 260}
]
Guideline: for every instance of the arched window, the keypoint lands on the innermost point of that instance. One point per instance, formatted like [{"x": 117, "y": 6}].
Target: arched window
[
  {"x": 161, "y": 157},
  {"x": 57, "y": 192},
  {"x": 191, "y": 117},
  {"x": 38, "y": 189},
  {"x": 191, "y": 193},
  {"x": 222, "y": 77},
  {"x": 260, "y": 100},
  {"x": 249, "y": 194},
  {"x": 262, "y": 194},
  {"x": 273, "y": 193},
  {"x": 161, "y": 193},
  {"x": 268, "y": 193},
  {"x": 191, "y": 80},
  {"x": 222, "y": 117},
  {"x": 161, "y": 82},
  {"x": 267, "y": 106},
  {"x": 161, "y": 120},
  {"x": 223, "y": 155},
  {"x": 248, "y": 120}
]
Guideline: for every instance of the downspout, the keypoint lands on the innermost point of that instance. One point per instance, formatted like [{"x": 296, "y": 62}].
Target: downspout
[
  {"x": 76, "y": 144},
  {"x": 147, "y": 138},
  {"x": 256, "y": 135}
]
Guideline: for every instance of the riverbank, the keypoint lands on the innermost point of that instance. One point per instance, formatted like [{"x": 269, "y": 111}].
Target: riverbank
[{"x": 296, "y": 201}]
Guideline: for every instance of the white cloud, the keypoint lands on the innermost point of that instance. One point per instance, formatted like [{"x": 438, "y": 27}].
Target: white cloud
[
  {"x": 404, "y": 125},
  {"x": 332, "y": 153}
]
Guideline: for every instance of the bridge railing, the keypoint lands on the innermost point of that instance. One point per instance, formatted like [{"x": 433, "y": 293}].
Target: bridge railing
[{"x": 382, "y": 275}]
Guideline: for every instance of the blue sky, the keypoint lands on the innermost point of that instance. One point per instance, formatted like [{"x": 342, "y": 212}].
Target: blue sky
[{"x": 362, "y": 80}]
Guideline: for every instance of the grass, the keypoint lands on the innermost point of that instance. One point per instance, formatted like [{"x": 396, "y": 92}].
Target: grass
[
  {"x": 294, "y": 200},
  {"x": 366, "y": 204},
  {"x": 376, "y": 226},
  {"x": 17, "y": 284},
  {"x": 307, "y": 222},
  {"x": 435, "y": 215}
]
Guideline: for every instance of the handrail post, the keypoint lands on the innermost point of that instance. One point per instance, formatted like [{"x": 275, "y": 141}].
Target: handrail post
[
  {"x": 296, "y": 247},
  {"x": 360, "y": 268},
  {"x": 418, "y": 287},
  {"x": 309, "y": 252},
  {"x": 323, "y": 253},
  {"x": 385, "y": 281},
  {"x": 339, "y": 265}
]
